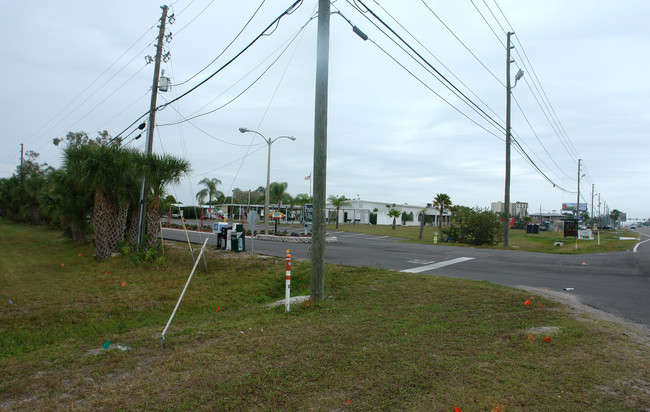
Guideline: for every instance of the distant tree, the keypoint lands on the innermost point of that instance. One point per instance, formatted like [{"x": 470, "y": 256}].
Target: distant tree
[
  {"x": 394, "y": 213},
  {"x": 338, "y": 202},
  {"x": 210, "y": 191},
  {"x": 614, "y": 215},
  {"x": 406, "y": 217},
  {"x": 422, "y": 221},
  {"x": 277, "y": 192},
  {"x": 81, "y": 138},
  {"x": 442, "y": 201}
]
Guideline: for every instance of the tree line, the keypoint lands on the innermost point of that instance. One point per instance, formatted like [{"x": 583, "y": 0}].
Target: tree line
[{"x": 96, "y": 190}]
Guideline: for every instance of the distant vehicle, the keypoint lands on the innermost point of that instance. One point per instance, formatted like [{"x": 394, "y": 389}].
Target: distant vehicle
[
  {"x": 605, "y": 227},
  {"x": 632, "y": 227}
]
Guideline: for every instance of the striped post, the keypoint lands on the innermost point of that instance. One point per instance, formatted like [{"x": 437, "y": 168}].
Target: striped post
[{"x": 287, "y": 283}]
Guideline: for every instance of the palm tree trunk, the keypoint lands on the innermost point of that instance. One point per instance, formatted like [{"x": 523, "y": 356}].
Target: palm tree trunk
[
  {"x": 153, "y": 222},
  {"x": 337, "y": 217}
]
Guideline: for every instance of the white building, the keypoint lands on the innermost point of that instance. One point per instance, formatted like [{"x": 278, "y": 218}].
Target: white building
[
  {"x": 516, "y": 208},
  {"x": 358, "y": 212}
]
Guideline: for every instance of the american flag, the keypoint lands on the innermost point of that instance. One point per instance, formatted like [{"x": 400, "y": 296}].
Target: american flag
[{"x": 308, "y": 177}]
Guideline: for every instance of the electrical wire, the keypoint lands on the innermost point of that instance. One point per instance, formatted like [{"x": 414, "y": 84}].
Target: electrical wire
[
  {"x": 443, "y": 80},
  {"x": 90, "y": 85},
  {"x": 288, "y": 44},
  {"x": 226, "y": 48},
  {"x": 288, "y": 11},
  {"x": 517, "y": 145},
  {"x": 463, "y": 44}
]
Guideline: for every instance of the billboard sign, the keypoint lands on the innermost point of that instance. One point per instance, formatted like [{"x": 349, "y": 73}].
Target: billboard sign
[{"x": 572, "y": 206}]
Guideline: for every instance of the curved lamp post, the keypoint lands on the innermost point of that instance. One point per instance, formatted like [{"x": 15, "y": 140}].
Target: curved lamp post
[{"x": 268, "y": 141}]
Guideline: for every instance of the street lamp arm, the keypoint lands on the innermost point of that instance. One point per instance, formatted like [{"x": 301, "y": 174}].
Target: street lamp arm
[{"x": 285, "y": 137}]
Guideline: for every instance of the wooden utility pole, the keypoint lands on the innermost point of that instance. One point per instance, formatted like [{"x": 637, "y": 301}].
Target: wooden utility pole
[
  {"x": 578, "y": 197},
  {"x": 144, "y": 190},
  {"x": 319, "y": 174},
  {"x": 506, "y": 201},
  {"x": 21, "y": 162}
]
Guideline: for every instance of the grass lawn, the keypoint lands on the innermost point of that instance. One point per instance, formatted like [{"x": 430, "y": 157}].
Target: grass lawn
[
  {"x": 380, "y": 341},
  {"x": 519, "y": 240}
]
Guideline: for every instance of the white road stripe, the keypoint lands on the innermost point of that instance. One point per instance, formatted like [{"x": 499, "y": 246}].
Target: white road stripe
[
  {"x": 637, "y": 245},
  {"x": 437, "y": 265},
  {"x": 376, "y": 238}
]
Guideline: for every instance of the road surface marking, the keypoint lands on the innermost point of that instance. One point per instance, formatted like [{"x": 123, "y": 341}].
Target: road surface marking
[
  {"x": 438, "y": 265},
  {"x": 376, "y": 238},
  {"x": 637, "y": 245},
  {"x": 356, "y": 234},
  {"x": 422, "y": 262}
]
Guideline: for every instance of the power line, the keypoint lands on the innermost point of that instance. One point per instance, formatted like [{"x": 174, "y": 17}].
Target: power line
[
  {"x": 464, "y": 45},
  {"x": 288, "y": 11},
  {"x": 226, "y": 48},
  {"x": 448, "y": 84},
  {"x": 288, "y": 44},
  {"x": 517, "y": 146}
]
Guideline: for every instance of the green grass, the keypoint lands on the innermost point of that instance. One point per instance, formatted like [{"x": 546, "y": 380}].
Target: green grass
[
  {"x": 519, "y": 240},
  {"x": 380, "y": 341}
]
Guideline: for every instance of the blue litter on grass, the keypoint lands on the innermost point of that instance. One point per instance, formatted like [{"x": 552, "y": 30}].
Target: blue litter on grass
[
  {"x": 106, "y": 344},
  {"x": 11, "y": 301}
]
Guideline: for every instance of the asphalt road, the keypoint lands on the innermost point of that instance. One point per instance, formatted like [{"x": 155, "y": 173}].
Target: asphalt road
[{"x": 617, "y": 283}]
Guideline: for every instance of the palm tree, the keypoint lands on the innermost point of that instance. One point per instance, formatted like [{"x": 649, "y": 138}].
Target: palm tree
[
  {"x": 210, "y": 189},
  {"x": 160, "y": 171},
  {"x": 339, "y": 202},
  {"x": 614, "y": 215},
  {"x": 442, "y": 201},
  {"x": 422, "y": 212},
  {"x": 113, "y": 174},
  {"x": 70, "y": 204},
  {"x": 394, "y": 213},
  {"x": 277, "y": 191}
]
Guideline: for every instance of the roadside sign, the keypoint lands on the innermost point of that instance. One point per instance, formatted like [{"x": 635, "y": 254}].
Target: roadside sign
[
  {"x": 308, "y": 212},
  {"x": 276, "y": 215},
  {"x": 253, "y": 218}
]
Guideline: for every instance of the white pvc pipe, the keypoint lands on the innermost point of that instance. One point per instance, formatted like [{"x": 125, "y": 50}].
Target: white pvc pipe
[
  {"x": 162, "y": 337},
  {"x": 287, "y": 295}
]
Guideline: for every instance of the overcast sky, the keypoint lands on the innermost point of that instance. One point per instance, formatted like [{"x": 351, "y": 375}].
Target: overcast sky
[{"x": 392, "y": 137}]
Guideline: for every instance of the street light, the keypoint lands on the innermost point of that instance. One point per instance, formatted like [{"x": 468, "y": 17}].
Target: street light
[{"x": 268, "y": 141}]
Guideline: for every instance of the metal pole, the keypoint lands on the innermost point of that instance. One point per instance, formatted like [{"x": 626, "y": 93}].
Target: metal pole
[
  {"x": 268, "y": 184},
  {"x": 506, "y": 201},
  {"x": 144, "y": 189},
  {"x": 162, "y": 336},
  {"x": 317, "y": 285}
]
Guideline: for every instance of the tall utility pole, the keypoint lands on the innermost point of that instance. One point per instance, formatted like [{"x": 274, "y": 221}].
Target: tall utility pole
[
  {"x": 317, "y": 289},
  {"x": 599, "y": 208},
  {"x": 506, "y": 201},
  {"x": 578, "y": 202},
  {"x": 593, "y": 185},
  {"x": 144, "y": 190},
  {"x": 21, "y": 162}
]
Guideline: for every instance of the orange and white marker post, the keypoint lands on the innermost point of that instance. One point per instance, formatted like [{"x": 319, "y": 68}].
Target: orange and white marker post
[{"x": 287, "y": 283}]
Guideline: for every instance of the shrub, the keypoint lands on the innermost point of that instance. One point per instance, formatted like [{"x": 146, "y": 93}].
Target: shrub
[{"x": 474, "y": 226}]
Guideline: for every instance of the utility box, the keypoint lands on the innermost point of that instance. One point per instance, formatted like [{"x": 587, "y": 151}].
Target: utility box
[
  {"x": 237, "y": 238},
  {"x": 223, "y": 236}
]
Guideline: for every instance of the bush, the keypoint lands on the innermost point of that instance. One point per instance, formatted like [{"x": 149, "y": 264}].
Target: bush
[{"x": 474, "y": 226}]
